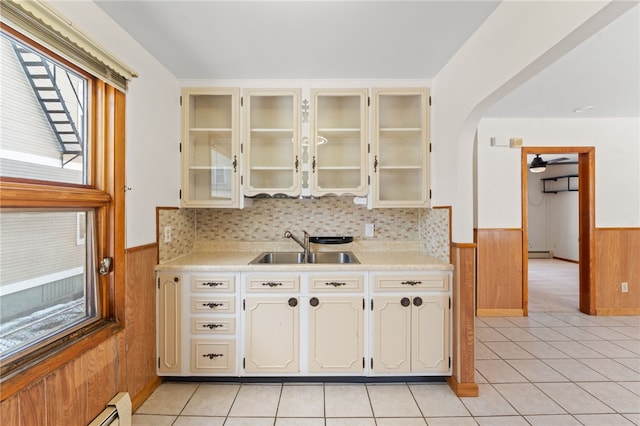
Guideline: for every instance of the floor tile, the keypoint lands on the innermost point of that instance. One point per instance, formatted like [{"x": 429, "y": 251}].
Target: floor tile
[
  {"x": 249, "y": 421},
  {"x": 553, "y": 420},
  {"x": 406, "y": 421},
  {"x": 573, "y": 399},
  {"x": 200, "y": 403},
  {"x": 508, "y": 350},
  {"x": 152, "y": 420},
  {"x": 524, "y": 322},
  {"x": 290, "y": 421},
  {"x": 615, "y": 396},
  {"x": 488, "y": 403},
  {"x": 483, "y": 352},
  {"x": 603, "y": 420},
  {"x": 498, "y": 371},
  {"x": 536, "y": 371},
  {"x": 451, "y": 421},
  {"x": 632, "y": 386},
  {"x": 574, "y": 370},
  {"x": 527, "y": 399},
  {"x": 392, "y": 401},
  {"x": 548, "y": 335},
  {"x": 489, "y": 335},
  {"x": 632, "y": 332},
  {"x": 516, "y": 334},
  {"x": 612, "y": 370},
  {"x": 609, "y": 349},
  {"x": 170, "y": 398},
  {"x": 301, "y": 401},
  {"x": 605, "y": 333},
  {"x": 502, "y": 421},
  {"x": 576, "y": 350},
  {"x": 352, "y": 421},
  {"x": 631, "y": 345},
  {"x": 438, "y": 401},
  {"x": 497, "y": 322},
  {"x": 347, "y": 401},
  {"x": 632, "y": 363},
  {"x": 542, "y": 350},
  {"x": 256, "y": 400},
  {"x": 199, "y": 421}
]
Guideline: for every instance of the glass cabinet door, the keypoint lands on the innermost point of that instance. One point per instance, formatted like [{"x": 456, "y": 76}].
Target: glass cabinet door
[
  {"x": 272, "y": 142},
  {"x": 339, "y": 142},
  {"x": 210, "y": 148},
  {"x": 400, "y": 148}
]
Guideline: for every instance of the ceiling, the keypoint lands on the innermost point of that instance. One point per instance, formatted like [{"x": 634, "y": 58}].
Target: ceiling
[{"x": 375, "y": 40}]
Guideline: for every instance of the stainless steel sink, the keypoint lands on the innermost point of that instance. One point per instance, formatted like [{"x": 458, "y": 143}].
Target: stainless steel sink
[{"x": 293, "y": 258}]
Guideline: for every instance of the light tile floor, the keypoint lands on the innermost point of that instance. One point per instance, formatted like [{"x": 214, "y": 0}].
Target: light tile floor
[{"x": 555, "y": 367}]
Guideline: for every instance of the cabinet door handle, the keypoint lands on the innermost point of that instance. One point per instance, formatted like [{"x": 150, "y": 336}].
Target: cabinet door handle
[
  {"x": 212, "y": 304},
  {"x": 212, "y": 283},
  {"x": 411, "y": 283},
  {"x": 417, "y": 301},
  {"x": 293, "y": 302},
  {"x": 212, "y": 355},
  {"x": 313, "y": 164},
  {"x": 314, "y": 301},
  {"x": 335, "y": 283},
  {"x": 375, "y": 164},
  {"x": 271, "y": 284},
  {"x": 211, "y": 325},
  {"x": 296, "y": 163},
  {"x": 235, "y": 163},
  {"x": 405, "y": 301}
]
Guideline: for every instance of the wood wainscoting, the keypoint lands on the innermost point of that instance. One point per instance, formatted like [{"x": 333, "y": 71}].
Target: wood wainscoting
[
  {"x": 499, "y": 289},
  {"x": 617, "y": 261},
  {"x": 77, "y": 391}
]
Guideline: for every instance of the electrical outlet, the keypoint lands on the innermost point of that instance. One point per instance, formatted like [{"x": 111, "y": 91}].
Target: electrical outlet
[
  {"x": 167, "y": 234},
  {"x": 369, "y": 230},
  {"x": 624, "y": 287}
]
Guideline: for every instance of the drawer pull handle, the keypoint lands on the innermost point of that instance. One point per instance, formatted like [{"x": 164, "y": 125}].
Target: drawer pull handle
[
  {"x": 405, "y": 301},
  {"x": 271, "y": 284},
  {"x": 417, "y": 301},
  {"x": 314, "y": 302},
  {"x": 212, "y": 356},
  {"x": 212, "y": 325},
  {"x": 213, "y": 283},
  {"x": 293, "y": 302},
  {"x": 412, "y": 283},
  {"x": 212, "y": 304},
  {"x": 335, "y": 283}
]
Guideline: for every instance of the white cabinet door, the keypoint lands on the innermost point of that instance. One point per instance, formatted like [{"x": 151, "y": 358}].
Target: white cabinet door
[
  {"x": 430, "y": 329},
  {"x": 336, "y": 337},
  {"x": 210, "y": 147},
  {"x": 272, "y": 334},
  {"x": 169, "y": 323},
  {"x": 271, "y": 141},
  {"x": 339, "y": 141},
  {"x": 391, "y": 334},
  {"x": 400, "y": 142}
]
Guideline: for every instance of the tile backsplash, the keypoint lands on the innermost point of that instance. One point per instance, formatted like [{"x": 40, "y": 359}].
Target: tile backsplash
[{"x": 266, "y": 220}]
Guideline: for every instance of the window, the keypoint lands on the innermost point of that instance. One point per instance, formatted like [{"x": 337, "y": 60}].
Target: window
[{"x": 57, "y": 215}]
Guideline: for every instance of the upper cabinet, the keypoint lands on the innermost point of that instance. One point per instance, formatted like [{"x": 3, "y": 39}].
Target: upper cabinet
[
  {"x": 339, "y": 142},
  {"x": 210, "y": 147},
  {"x": 400, "y": 142},
  {"x": 271, "y": 142}
]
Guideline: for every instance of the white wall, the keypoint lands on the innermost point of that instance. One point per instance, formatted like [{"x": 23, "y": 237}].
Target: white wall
[
  {"x": 152, "y": 121},
  {"x": 503, "y": 53},
  {"x": 617, "y": 155}
]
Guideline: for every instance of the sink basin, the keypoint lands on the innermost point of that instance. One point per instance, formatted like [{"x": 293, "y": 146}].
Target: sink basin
[{"x": 289, "y": 258}]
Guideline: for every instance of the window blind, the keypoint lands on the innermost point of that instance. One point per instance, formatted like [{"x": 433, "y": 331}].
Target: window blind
[{"x": 39, "y": 21}]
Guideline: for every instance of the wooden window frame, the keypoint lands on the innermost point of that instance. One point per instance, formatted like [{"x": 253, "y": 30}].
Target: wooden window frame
[{"x": 105, "y": 193}]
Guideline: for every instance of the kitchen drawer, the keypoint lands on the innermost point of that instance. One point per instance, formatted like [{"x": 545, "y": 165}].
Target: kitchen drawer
[
  {"x": 333, "y": 283},
  {"x": 411, "y": 282},
  {"x": 213, "y": 356},
  {"x": 218, "y": 283},
  {"x": 219, "y": 304},
  {"x": 272, "y": 283},
  {"x": 213, "y": 325}
]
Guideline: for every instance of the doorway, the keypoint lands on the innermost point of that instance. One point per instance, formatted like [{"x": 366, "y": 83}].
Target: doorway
[{"x": 586, "y": 223}]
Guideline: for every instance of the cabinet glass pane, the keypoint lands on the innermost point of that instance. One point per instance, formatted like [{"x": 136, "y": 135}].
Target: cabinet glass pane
[
  {"x": 401, "y": 148},
  {"x": 271, "y": 112},
  {"x": 338, "y": 112},
  {"x": 210, "y": 111},
  {"x": 400, "y": 111},
  {"x": 400, "y": 184}
]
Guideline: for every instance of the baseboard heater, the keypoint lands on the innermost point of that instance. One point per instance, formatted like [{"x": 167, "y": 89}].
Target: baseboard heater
[{"x": 117, "y": 413}]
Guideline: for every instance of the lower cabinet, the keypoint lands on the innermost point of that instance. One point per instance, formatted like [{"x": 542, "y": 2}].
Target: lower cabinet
[{"x": 351, "y": 324}]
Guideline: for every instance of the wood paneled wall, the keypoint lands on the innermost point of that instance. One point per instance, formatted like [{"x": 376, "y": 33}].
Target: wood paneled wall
[
  {"x": 499, "y": 272},
  {"x": 77, "y": 391},
  {"x": 617, "y": 261}
]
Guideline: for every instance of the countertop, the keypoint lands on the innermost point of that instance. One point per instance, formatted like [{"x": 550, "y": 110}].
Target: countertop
[{"x": 236, "y": 258}]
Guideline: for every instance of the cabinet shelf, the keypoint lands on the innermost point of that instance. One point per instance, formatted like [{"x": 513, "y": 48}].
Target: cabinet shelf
[
  {"x": 211, "y": 129},
  {"x": 568, "y": 188},
  {"x": 399, "y": 167},
  {"x": 400, "y": 129}
]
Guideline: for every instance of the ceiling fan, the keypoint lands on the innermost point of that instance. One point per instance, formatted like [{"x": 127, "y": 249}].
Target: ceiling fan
[{"x": 538, "y": 165}]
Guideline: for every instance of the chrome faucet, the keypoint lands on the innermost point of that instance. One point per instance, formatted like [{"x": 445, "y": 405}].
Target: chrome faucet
[{"x": 304, "y": 244}]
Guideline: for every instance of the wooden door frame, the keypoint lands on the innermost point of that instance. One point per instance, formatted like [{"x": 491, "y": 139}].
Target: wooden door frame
[{"x": 586, "y": 223}]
